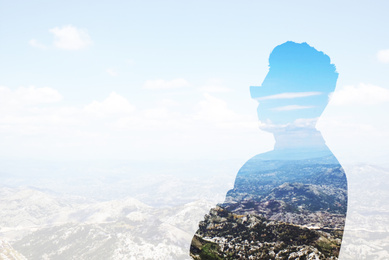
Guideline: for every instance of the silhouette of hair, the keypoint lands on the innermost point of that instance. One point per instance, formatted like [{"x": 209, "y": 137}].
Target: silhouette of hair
[
  {"x": 295, "y": 68},
  {"x": 290, "y": 54}
]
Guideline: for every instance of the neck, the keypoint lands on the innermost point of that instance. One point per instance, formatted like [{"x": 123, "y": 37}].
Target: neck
[{"x": 299, "y": 138}]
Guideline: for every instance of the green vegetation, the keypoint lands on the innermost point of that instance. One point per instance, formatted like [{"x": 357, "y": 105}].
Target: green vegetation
[{"x": 210, "y": 252}]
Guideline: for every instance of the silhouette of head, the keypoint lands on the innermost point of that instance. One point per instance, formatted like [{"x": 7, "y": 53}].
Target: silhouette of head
[{"x": 297, "y": 86}]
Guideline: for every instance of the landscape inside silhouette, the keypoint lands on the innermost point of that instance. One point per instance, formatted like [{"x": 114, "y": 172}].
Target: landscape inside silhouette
[{"x": 291, "y": 202}]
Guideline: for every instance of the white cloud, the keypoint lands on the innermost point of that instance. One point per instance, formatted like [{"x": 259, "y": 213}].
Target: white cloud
[
  {"x": 113, "y": 104},
  {"x": 36, "y": 44},
  {"x": 305, "y": 123},
  {"x": 291, "y": 107},
  {"x": 112, "y": 72},
  {"x": 70, "y": 38},
  {"x": 289, "y": 95},
  {"x": 383, "y": 56},
  {"x": 214, "y": 86},
  {"x": 21, "y": 110},
  {"x": 363, "y": 94},
  {"x": 165, "y": 84},
  {"x": 356, "y": 125},
  {"x": 113, "y": 128},
  {"x": 31, "y": 95},
  {"x": 354, "y": 137},
  {"x": 166, "y": 102},
  {"x": 215, "y": 111}
]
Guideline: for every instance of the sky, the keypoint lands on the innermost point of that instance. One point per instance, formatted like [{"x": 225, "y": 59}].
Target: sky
[{"x": 169, "y": 80}]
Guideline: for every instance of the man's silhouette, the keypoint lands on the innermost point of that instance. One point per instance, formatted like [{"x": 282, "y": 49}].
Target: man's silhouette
[{"x": 291, "y": 202}]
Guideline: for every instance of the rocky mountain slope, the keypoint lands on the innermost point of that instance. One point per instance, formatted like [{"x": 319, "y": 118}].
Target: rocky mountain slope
[
  {"x": 225, "y": 235},
  {"x": 299, "y": 207},
  {"x": 41, "y": 225},
  {"x": 7, "y": 252}
]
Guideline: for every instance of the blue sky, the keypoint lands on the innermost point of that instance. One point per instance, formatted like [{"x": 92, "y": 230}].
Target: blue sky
[{"x": 170, "y": 79}]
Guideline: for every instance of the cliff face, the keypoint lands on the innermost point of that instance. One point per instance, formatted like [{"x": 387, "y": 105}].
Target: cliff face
[{"x": 278, "y": 210}]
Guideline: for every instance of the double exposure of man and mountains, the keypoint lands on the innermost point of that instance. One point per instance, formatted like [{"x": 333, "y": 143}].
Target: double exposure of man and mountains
[{"x": 289, "y": 203}]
